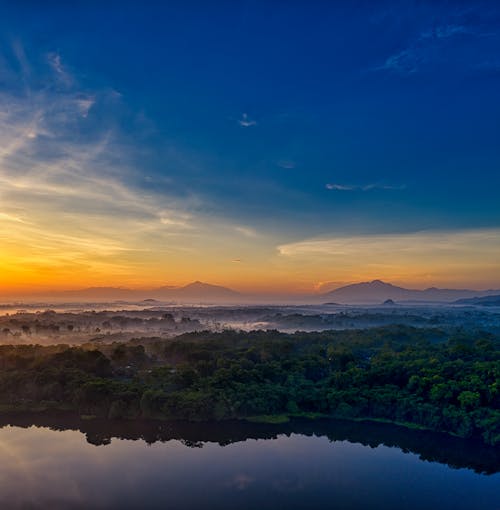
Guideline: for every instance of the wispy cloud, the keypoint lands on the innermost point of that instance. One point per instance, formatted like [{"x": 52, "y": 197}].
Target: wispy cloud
[
  {"x": 55, "y": 61},
  {"x": 66, "y": 196},
  {"x": 10, "y": 217},
  {"x": 75, "y": 200},
  {"x": 445, "y": 257},
  {"x": 246, "y": 231},
  {"x": 406, "y": 61},
  {"x": 84, "y": 104},
  {"x": 176, "y": 219},
  {"x": 287, "y": 164},
  {"x": 446, "y": 31},
  {"x": 246, "y": 121},
  {"x": 482, "y": 242},
  {"x": 19, "y": 53},
  {"x": 365, "y": 187},
  {"x": 424, "y": 48},
  {"x": 340, "y": 187}
]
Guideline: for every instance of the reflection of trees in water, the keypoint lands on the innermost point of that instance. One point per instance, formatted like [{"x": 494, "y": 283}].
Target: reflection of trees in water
[{"x": 429, "y": 446}]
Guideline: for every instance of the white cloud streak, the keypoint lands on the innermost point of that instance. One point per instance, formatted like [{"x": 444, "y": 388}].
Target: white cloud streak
[
  {"x": 365, "y": 187},
  {"x": 422, "y": 49},
  {"x": 245, "y": 121},
  {"x": 84, "y": 105},
  {"x": 287, "y": 164},
  {"x": 246, "y": 231},
  {"x": 446, "y": 31},
  {"x": 479, "y": 242},
  {"x": 55, "y": 61}
]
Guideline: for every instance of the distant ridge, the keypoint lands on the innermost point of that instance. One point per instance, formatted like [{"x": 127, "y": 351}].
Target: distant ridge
[
  {"x": 92, "y": 292},
  {"x": 378, "y": 291},
  {"x": 196, "y": 291},
  {"x": 483, "y": 301},
  {"x": 375, "y": 292}
]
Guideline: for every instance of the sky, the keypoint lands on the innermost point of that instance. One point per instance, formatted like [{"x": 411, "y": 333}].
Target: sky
[{"x": 264, "y": 146}]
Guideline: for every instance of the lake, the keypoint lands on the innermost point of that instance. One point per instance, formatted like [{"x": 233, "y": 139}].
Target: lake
[{"x": 64, "y": 462}]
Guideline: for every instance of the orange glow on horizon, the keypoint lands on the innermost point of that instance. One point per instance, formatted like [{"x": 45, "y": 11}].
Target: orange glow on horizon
[{"x": 50, "y": 255}]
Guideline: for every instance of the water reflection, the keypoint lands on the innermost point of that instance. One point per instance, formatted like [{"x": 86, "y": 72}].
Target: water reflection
[
  {"x": 429, "y": 446},
  {"x": 233, "y": 465}
]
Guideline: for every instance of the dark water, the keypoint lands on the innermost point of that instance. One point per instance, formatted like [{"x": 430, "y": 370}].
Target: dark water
[{"x": 62, "y": 462}]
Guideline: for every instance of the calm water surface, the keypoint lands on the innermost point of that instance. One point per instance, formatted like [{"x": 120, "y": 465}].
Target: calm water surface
[{"x": 44, "y": 468}]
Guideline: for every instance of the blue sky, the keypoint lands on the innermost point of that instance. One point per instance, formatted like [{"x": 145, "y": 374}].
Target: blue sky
[{"x": 290, "y": 120}]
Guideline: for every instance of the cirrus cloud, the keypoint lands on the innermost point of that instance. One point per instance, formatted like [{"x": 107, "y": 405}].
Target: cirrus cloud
[{"x": 364, "y": 187}]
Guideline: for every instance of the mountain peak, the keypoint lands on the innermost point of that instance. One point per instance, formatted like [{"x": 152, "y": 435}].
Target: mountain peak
[
  {"x": 208, "y": 290},
  {"x": 378, "y": 291},
  {"x": 380, "y": 283},
  {"x": 197, "y": 285}
]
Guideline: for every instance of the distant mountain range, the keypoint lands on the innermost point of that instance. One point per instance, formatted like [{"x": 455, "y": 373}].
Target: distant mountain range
[
  {"x": 378, "y": 291},
  {"x": 483, "y": 301},
  {"x": 199, "y": 290},
  {"x": 196, "y": 292},
  {"x": 374, "y": 292}
]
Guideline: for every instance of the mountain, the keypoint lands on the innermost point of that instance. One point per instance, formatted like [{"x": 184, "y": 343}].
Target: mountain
[
  {"x": 193, "y": 292},
  {"x": 95, "y": 293},
  {"x": 378, "y": 291},
  {"x": 198, "y": 291},
  {"x": 483, "y": 301},
  {"x": 373, "y": 293}
]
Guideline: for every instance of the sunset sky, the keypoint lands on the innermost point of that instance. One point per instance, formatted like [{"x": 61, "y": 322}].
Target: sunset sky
[{"x": 264, "y": 146}]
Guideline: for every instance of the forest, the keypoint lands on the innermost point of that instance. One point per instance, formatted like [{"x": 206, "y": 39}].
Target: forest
[{"x": 419, "y": 377}]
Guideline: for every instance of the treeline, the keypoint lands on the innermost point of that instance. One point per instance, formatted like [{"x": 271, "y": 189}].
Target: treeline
[{"x": 422, "y": 377}]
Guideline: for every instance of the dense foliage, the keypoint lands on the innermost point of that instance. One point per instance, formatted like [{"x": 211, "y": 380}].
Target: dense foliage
[{"x": 414, "y": 376}]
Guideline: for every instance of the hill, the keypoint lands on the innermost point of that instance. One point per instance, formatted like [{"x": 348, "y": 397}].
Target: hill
[
  {"x": 198, "y": 291},
  {"x": 483, "y": 301},
  {"x": 193, "y": 292},
  {"x": 378, "y": 291}
]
